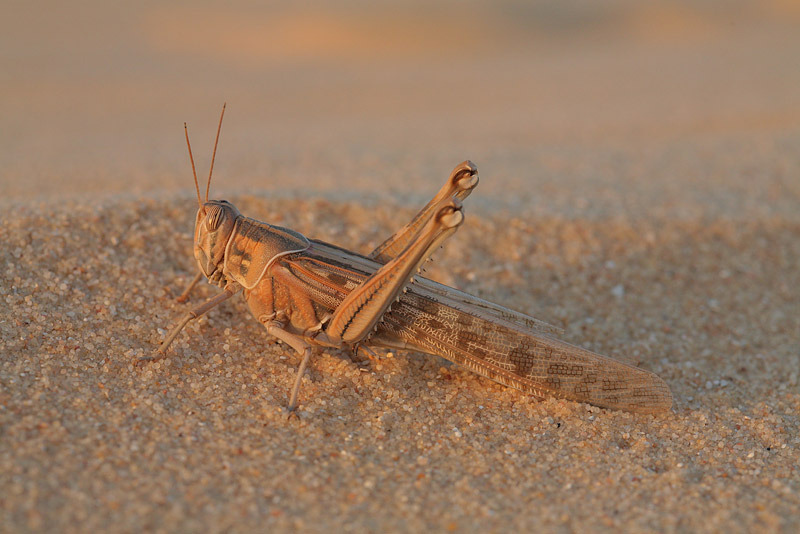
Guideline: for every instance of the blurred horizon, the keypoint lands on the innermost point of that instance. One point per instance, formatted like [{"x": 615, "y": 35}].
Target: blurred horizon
[{"x": 334, "y": 97}]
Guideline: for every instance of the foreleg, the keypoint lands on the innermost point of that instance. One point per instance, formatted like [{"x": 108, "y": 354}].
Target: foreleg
[
  {"x": 185, "y": 295},
  {"x": 191, "y": 315}
]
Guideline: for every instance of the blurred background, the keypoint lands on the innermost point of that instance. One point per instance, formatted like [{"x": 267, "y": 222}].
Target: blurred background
[{"x": 577, "y": 108}]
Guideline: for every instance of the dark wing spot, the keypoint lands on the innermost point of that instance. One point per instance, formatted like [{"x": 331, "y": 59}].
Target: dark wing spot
[
  {"x": 564, "y": 369},
  {"x": 522, "y": 362},
  {"x": 337, "y": 279}
]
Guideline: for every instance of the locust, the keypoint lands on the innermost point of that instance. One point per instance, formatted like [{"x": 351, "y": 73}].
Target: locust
[{"x": 309, "y": 293}]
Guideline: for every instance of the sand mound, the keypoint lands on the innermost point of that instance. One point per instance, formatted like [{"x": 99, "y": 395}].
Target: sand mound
[{"x": 197, "y": 441}]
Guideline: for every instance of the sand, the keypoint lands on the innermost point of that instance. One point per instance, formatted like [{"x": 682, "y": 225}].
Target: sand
[{"x": 643, "y": 193}]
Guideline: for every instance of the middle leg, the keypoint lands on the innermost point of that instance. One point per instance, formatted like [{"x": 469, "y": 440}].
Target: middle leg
[{"x": 300, "y": 345}]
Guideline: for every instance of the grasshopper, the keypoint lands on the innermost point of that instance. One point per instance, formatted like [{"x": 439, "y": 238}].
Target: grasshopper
[{"x": 309, "y": 293}]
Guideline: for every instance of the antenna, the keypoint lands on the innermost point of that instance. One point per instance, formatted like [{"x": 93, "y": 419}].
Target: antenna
[
  {"x": 214, "y": 155},
  {"x": 194, "y": 173}
]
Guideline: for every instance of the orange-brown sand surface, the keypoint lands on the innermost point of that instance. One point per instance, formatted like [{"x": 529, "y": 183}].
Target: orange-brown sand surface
[{"x": 640, "y": 188}]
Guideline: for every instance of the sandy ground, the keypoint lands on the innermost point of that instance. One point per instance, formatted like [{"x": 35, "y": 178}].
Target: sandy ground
[{"x": 640, "y": 188}]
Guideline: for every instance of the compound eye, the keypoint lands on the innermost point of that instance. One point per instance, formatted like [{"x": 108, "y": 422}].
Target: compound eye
[{"x": 213, "y": 218}]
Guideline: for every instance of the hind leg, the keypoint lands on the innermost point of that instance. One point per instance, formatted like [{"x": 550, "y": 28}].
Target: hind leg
[
  {"x": 462, "y": 181},
  {"x": 359, "y": 313}
]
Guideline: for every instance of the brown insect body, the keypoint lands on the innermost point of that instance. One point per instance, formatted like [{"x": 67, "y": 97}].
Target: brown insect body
[
  {"x": 496, "y": 342},
  {"x": 301, "y": 282},
  {"x": 308, "y": 292}
]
